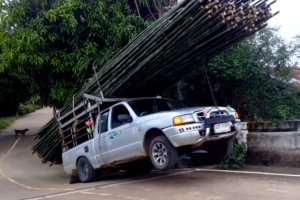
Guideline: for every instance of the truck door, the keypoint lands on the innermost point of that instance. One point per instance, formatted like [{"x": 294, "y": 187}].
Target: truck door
[
  {"x": 100, "y": 141},
  {"x": 122, "y": 142}
]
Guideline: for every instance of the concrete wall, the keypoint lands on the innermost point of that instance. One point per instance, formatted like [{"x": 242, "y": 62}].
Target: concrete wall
[
  {"x": 269, "y": 145},
  {"x": 275, "y": 127}
]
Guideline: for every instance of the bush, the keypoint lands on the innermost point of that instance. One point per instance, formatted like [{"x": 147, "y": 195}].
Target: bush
[
  {"x": 28, "y": 108},
  {"x": 237, "y": 159},
  {"x": 37, "y": 107}
]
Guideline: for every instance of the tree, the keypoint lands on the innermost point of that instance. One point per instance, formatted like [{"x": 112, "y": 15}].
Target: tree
[
  {"x": 56, "y": 43},
  {"x": 240, "y": 77},
  {"x": 297, "y": 46},
  {"x": 14, "y": 89}
]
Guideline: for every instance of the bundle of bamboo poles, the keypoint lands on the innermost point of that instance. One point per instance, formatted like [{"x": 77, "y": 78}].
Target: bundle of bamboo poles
[{"x": 189, "y": 34}]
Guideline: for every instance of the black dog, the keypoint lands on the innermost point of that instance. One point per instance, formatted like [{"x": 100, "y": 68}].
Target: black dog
[{"x": 22, "y": 132}]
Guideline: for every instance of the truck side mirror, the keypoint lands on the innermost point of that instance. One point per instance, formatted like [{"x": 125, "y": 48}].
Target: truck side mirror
[{"x": 124, "y": 118}]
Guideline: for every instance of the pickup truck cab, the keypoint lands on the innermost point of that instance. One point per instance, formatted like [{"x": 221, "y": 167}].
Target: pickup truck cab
[{"x": 142, "y": 133}]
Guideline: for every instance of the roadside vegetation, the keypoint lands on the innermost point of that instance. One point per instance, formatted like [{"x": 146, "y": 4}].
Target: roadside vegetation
[
  {"x": 7, "y": 121},
  {"x": 23, "y": 109}
]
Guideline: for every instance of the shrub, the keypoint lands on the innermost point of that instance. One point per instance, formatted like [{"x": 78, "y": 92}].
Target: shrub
[
  {"x": 37, "y": 107},
  {"x": 237, "y": 159},
  {"x": 28, "y": 108},
  {"x": 22, "y": 109}
]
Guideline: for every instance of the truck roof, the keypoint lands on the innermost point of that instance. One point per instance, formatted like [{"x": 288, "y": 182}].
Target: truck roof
[{"x": 103, "y": 100}]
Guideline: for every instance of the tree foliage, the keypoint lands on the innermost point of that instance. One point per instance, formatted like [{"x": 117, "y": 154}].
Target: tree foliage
[
  {"x": 155, "y": 8},
  {"x": 240, "y": 77},
  {"x": 56, "y": 42},
  {"x": 14, "y": 89}
]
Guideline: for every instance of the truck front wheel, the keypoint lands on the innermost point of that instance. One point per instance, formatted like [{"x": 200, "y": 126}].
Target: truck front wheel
[{"x": 162, "y": 153}]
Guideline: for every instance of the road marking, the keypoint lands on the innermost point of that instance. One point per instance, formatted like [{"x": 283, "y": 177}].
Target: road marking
[
  {"x": 113, "y": 195},
  {"x": 60, "y": 194},
  {"x": 11, "y": 148},
  {"x": 106, "y": 186},
  {"x": 281, "y": 191},
  {"x": 89, "y": 193},
  {"x": 21, "y": 184},
  {"x": 144, "y": 180},
  {"x": 95, "y": 193},
  {"x": 105, "y": 194},
  {"x": 127, "y": 197},
  {"x": 248, "y": 172}
]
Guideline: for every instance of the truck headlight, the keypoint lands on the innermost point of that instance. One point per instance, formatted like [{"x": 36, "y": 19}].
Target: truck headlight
[{"x": 183, "y": 119}]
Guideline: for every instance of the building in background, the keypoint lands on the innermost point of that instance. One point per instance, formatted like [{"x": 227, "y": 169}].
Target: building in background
[{"x": 295, "y": 79}]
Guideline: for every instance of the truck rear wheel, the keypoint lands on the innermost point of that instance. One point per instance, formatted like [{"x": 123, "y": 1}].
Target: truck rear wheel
[
  {"x": 162, "y": 153},
  {"x": 86, "y": 172}
]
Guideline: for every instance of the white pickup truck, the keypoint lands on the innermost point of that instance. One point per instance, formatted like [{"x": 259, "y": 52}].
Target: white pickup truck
[{"x": 142, "y": 133}]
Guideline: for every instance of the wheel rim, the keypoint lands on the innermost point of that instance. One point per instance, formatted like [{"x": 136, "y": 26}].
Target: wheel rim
[
  {"x": 84, "y": 170},
  {"x": 159, "y": 154}
]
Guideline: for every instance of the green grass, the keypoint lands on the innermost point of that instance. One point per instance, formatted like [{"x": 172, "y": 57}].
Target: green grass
[{"x": 6, "y": 121}]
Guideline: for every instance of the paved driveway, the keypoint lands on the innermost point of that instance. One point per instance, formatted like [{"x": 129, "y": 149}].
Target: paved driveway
[{"x": 22, "y": 176}]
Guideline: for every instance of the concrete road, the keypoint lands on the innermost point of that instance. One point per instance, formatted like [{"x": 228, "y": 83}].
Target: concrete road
[
  {"x": 22, "y": 176},
  {"x": 197, "y": 185}
]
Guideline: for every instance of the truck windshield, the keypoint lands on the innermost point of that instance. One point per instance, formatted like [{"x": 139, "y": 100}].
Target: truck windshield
[{"x": 149, "y": 106}]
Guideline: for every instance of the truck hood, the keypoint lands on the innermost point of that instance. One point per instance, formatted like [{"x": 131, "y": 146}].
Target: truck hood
[
  {"x": 181, "y": 111},
  {"x": 198, "y": 109}
]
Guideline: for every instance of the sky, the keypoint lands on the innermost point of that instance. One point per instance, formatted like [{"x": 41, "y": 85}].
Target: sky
[{"x": 288, "y": 18}]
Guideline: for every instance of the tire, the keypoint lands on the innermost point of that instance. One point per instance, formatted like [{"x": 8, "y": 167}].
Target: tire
[
  {"x": 162, "y": 153},
  {"x": 140, "y": 167},
  {"x": 86, "y": 172},
  {"x": 220, "y": 152}
]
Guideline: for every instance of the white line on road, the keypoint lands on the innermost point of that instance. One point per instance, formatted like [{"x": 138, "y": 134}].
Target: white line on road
[
  {"x": 248, "y": 172},
  {"x": 143, "y": 180},
  {"x": 281, "y": 191}
]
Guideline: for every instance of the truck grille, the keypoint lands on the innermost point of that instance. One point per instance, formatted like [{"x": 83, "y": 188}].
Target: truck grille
[
  {"x": 215, "y": 114},
  {"x": 200, "y": 116}
]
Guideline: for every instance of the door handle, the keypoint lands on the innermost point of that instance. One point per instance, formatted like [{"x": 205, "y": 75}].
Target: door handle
[{"x": 113, "y": 135}]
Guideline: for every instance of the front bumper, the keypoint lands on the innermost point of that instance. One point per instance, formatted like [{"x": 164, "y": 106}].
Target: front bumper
[
  {"x": 197, "y": 134},
  {"x": 208, "y": 138}
]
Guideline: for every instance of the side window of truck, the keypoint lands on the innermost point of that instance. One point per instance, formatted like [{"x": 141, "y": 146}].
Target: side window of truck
[
  {"x": 103, "y": 121},
  {"x": 120, "y": 116}
]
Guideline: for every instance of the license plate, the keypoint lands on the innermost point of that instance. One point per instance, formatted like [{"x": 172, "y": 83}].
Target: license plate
[{"x": 222, "y": 128}]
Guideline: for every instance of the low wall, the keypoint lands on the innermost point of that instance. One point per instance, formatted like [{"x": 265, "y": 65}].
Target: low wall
[
  {"x": 274, "y": 144},
  {"x": 282, "y": 126}
]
